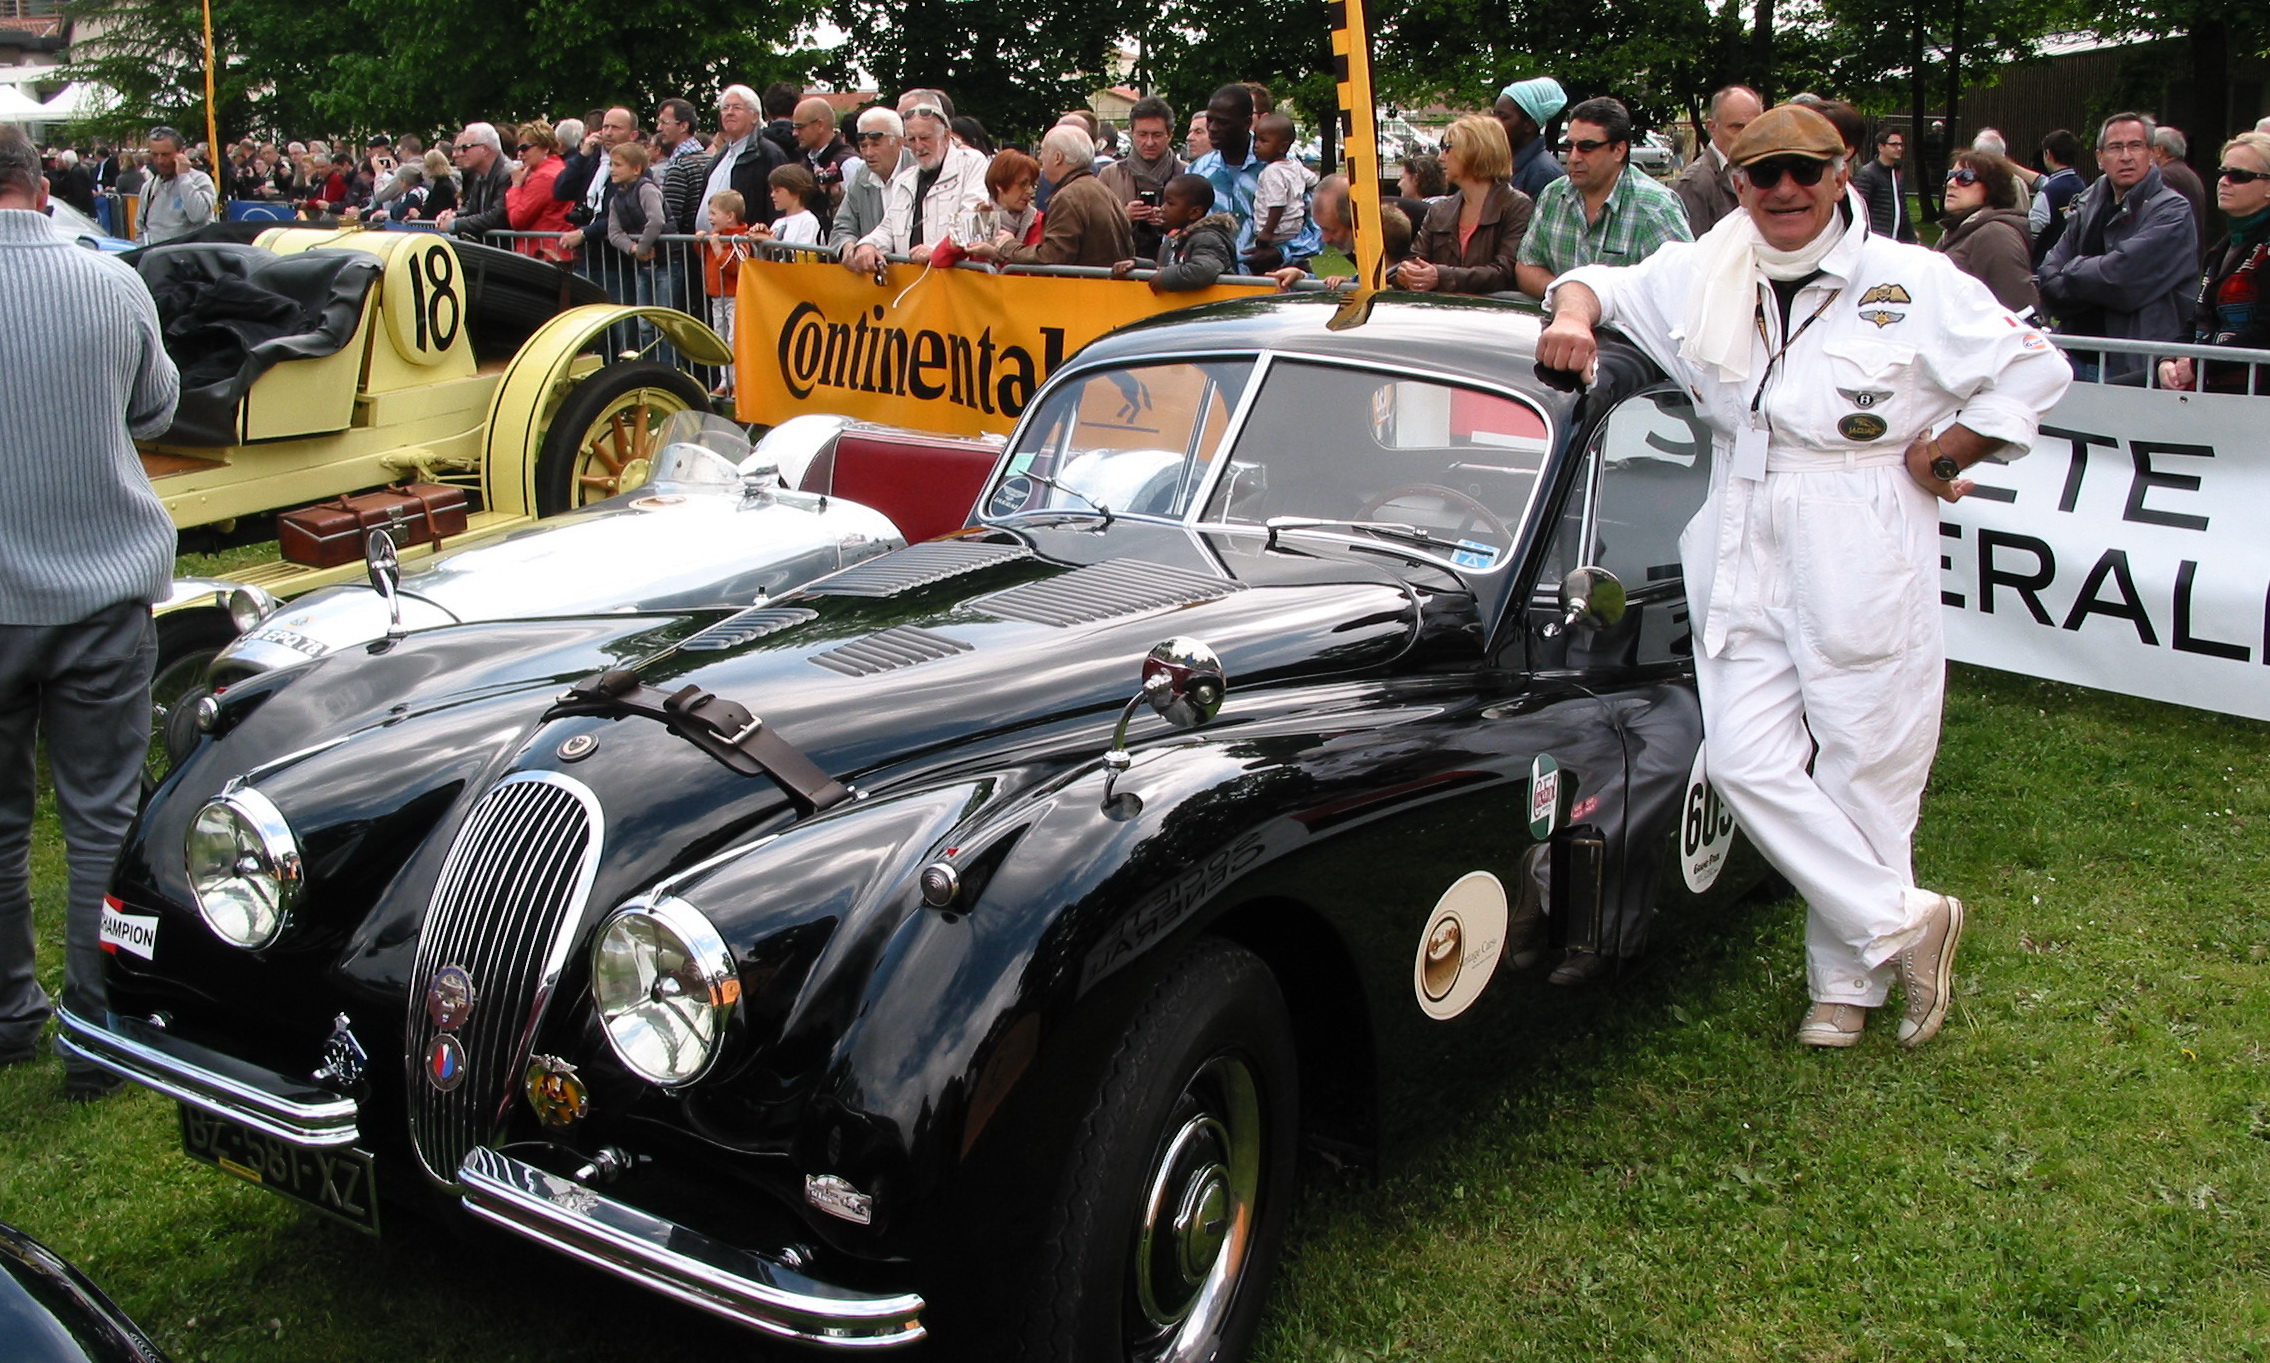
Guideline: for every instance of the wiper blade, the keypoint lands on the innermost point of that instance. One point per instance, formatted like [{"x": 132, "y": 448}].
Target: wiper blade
[
  {"x": 1394, "y": 530},
  {"x": 1045, "y": 481},
  {"x": 719, "y": 727}
]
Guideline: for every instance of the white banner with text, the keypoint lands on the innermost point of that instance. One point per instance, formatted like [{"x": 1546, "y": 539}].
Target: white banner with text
[{"x": 2129, "y": 552}]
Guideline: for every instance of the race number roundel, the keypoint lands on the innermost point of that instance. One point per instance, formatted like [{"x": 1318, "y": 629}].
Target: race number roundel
[
  {"x": 425, "y": 300},
  {"x": 1706, "y": 830}
]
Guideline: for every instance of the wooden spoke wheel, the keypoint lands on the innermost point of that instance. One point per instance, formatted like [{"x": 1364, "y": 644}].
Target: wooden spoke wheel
[{"x": 606, "y": 434}]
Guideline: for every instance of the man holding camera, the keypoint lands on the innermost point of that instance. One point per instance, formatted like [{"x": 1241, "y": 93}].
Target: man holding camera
[{"x": 1139, "y": 179}]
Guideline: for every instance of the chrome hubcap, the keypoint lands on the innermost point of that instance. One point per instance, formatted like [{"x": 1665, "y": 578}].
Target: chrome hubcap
[{"x": 1197, "y": 1215}]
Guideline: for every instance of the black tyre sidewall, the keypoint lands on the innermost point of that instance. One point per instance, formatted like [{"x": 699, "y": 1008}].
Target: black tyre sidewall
[
  {"x": 181, "y": 636},
  {"x": 1218, "y": 998},
  {"x": 556, "y": 456}
]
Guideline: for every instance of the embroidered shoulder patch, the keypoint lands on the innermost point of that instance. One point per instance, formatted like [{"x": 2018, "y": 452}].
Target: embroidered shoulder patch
[{"x": 1886, "y": 293}]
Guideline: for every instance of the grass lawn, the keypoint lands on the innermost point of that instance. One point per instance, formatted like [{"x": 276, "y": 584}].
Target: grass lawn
[{"x": 2076, "y": 1170}]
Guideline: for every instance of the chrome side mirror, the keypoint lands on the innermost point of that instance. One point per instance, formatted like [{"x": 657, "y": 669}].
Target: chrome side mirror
[
  {"x": 384, "y": 564},
  {"x": 1183, "y": 681},
  {"x": 1589, "y": 596}
]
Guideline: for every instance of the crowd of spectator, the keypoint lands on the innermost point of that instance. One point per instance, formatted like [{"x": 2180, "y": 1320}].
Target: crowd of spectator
[{"x": 1496, "y": 211}]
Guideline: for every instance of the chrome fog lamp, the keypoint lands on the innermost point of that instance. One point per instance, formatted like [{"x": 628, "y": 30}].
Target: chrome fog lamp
[
  {"x": 244, "y": 868},
  {"x": 248, "y": 606},
  {"x": 665, "y": 987}
]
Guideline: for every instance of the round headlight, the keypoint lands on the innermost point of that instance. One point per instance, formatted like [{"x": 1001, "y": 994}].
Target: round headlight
[
  {"x": 665, "y": 987},
  {"x": 244, "y": 867}
]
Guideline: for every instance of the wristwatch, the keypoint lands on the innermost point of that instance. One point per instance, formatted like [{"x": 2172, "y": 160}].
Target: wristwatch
[{"x": 1943, "y": 465}]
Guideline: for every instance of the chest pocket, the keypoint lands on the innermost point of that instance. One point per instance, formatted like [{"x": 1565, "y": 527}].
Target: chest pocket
[{"x": 1871, "y": 392}]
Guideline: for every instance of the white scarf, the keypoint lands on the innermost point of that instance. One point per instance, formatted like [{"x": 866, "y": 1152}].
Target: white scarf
[{"x": 1722, "y": 297}]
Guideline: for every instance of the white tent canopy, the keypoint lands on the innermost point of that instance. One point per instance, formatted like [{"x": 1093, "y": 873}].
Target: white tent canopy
[
  {"x": 80, "y": 99},
  {"x": 18, "y": 107},
  {"x": 27, "y": 75}
]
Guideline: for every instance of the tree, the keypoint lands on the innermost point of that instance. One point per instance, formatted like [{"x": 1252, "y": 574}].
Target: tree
[
  {"x": 152, "y": 52},
  {"x": 294, "y": 68},
  {"x": 1013, "y": 67}
]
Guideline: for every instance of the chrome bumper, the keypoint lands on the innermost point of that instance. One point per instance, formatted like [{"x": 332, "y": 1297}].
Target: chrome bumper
[
  {"x": 287, "y": 1108},
  {"x": 749, "y": 1289}
]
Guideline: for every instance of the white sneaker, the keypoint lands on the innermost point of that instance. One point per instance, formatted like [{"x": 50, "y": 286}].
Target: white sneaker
[
  {"x": 1927, "y": 973},
  {"x": 1833, "y": 1024}
]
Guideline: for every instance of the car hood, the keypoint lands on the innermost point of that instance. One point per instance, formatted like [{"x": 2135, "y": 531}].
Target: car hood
[
  {"x": 658, "y": 549},
  {"x": 994, "y": 649}
]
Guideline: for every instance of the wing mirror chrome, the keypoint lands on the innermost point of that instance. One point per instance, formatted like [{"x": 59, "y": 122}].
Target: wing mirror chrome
[
  {"x": 1182, "y": 680},
  {"x": 384, "y": 564},
  {"x": 1589, "y": 596}
]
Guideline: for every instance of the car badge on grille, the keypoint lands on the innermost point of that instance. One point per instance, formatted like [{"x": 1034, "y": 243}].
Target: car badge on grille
[
  {"x": 343, "y": 1056},
  {"x": 449, "y": 997},
  {"x": 445, "y": 1063},
  {"x": 555, "y": 1090}
]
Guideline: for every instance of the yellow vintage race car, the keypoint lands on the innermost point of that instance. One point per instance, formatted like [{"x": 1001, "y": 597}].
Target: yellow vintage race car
[{"x": 317, "y": 363}]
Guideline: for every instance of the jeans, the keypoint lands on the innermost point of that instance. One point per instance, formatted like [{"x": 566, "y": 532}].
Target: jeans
[
  {"x": 658, "y": 284},
  {"x": 85, "y": 689}
]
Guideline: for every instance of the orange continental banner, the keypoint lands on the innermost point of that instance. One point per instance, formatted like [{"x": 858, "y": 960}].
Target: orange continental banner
[{"x": 956, "y": 351}]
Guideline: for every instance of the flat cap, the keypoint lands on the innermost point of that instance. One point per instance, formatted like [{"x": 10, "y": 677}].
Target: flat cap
[{"x": 1787, "y": 130}]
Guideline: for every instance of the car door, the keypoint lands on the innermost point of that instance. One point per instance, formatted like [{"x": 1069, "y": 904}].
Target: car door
[{"x": 1645, "y": 474}]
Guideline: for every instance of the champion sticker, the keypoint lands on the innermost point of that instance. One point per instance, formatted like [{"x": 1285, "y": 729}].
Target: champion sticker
[
  {"x": 1544, "y": 797},
  {"x": 1469, "y": 554},
  {"x": 1862, "y": 426},
  {"x": 128, "y": 932},
  {"x": 1460, "y": 946},
  {"x": 1706, "y": 830}
]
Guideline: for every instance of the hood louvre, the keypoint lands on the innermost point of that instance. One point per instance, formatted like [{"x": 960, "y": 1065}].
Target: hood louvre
[
  {"x": 920, "y": 565},
  {"x": 1104, "y": 591},
  {"x": 890, "y": 650},
  {"x": 754, "y": 623}
]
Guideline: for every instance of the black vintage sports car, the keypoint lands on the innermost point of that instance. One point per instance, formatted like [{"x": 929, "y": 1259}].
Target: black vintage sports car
[
  {"x": 960, "y": 944},
  {"x": 50, "y": 1312}
]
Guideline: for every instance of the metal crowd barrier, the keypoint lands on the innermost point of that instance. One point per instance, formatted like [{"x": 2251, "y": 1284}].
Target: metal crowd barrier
[{"x": 2217, "y": 361}]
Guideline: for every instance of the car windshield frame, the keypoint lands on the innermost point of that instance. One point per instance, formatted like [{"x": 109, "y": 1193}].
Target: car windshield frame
[{"x": 1216, "y": 463}]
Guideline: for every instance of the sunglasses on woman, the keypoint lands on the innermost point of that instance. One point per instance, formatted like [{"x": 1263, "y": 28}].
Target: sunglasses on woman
[
  {"x": 1803, "y": 169},
  {"x": 2242, "y": 177},
  {"x": 524, "y": 148},
  {"x": 1963, "y": 176}
]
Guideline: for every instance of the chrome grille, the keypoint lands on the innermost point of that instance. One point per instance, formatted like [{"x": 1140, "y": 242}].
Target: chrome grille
[{"x": 505, "y": 911}]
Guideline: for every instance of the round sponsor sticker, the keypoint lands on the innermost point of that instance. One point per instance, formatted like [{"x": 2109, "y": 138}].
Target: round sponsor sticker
[
  {"x": 1706, "y": 830},
  {"x": 1458, "y": 951},
  {"x": 1544, "y": 797}
]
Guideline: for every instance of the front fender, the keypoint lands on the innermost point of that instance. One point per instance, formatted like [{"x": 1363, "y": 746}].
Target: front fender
[{"x": 540, "y": 376}]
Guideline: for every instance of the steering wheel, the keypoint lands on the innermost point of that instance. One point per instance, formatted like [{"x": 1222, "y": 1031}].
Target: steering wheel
[{"x": 1501, "y": 537}]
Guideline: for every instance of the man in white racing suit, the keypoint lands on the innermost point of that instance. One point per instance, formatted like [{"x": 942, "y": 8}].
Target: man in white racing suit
[{"x": 1848, "y": 380}]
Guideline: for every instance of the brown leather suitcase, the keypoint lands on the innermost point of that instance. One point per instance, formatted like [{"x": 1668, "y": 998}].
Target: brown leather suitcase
[{"x": 331, "y": 533}]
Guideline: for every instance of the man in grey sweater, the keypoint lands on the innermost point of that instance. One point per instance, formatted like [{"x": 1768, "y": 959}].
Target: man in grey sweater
[{"x": 85, "y": 547}]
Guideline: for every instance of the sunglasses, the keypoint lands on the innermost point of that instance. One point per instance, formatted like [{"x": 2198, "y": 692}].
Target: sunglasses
[
  {"x": 1767, "y": 174},
  {"x": 2242, "y": 177},
  {"x": 1963, "y": 176},
  {"x": 524, "y": 148},
  {"x": 1589, "y": 145},
  {"x": 463, "y": 146},
  {"x": 865, "y": 138}
]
